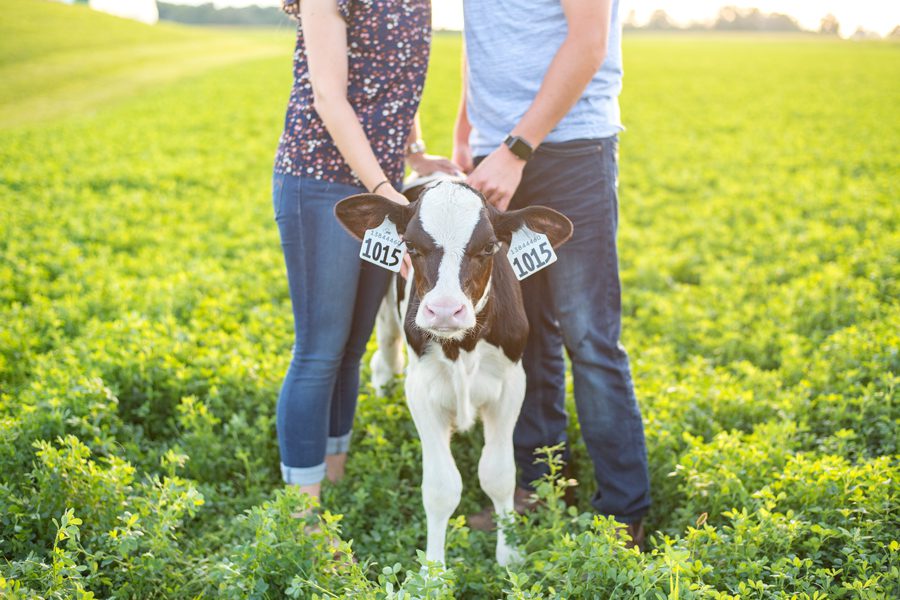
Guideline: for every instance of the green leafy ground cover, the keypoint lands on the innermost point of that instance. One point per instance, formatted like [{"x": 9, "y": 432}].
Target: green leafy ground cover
[{"x": 145, "y": 326}]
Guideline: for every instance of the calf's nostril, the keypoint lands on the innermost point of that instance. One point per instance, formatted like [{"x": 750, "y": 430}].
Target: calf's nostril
[{"x": 444, "y": 312}]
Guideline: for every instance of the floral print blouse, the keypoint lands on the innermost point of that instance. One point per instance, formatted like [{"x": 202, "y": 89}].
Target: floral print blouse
[{"x": 388, "y": 42}]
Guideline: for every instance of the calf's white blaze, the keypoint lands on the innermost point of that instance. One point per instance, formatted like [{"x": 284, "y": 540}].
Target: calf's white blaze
[{"x": 449, "y": 214}]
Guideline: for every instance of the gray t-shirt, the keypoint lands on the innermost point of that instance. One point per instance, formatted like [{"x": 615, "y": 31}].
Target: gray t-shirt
[{"x": 509, "y": 45}]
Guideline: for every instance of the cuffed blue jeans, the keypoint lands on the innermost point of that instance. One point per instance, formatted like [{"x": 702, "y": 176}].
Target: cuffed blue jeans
[
  {"x": 335, "y": 297},
  {"x": 576, "y": 303}
]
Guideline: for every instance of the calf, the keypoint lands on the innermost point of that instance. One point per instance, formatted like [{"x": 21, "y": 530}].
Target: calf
[{"x": 461, "y": 310}]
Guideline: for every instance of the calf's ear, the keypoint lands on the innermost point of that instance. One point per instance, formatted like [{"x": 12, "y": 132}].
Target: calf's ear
[
  {"x": 367, "y": 211},
  {"x": 556, "y": 226}
]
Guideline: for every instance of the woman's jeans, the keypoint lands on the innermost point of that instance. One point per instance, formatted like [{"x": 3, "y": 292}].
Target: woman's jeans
[
  {"x": 576, "y": 303},
  {"x": 335, "y": 297}
]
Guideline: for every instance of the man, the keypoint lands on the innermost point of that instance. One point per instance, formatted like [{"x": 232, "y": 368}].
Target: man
[{"x": 540, "y": 116}]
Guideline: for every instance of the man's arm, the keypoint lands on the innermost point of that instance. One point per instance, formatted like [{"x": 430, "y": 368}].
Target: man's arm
[
  {"x": 462, "y": 152},
  {"x": 576, "y": 62}
]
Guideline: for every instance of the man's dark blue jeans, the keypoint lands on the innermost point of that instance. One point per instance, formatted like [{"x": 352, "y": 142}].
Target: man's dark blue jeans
[{"x": 576, "y": 303}]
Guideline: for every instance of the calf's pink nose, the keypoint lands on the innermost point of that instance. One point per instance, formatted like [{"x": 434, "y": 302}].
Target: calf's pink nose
[{"x": 444, "y": 313}]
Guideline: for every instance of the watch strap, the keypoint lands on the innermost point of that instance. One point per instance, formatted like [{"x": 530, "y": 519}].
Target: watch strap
[{"x": 519, "y": 146}]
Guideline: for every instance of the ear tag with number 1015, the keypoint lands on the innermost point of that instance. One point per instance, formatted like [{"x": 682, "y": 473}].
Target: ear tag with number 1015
[
  {"x": 383, "y": 246},
  {"x": 529, "y": 252}
]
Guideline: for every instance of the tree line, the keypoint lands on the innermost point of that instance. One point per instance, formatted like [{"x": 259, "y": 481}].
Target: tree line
[
  {"x": 208, "y": 14},
  {"x": 729, "y": 18},
  {"x": 733, "y": 18}
]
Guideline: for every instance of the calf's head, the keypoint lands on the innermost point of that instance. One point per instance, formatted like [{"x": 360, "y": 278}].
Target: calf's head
[{"x": 452, "y": 236}]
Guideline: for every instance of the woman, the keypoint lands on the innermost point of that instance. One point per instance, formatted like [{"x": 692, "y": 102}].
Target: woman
[{"x": 359, "y": 68}]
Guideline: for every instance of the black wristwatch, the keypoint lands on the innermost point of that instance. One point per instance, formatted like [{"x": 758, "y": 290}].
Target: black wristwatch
[{"x": 519, "y": 146}]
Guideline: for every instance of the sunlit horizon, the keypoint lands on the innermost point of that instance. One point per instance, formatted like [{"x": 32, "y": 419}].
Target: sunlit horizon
[{"x": 872, "y": 15}]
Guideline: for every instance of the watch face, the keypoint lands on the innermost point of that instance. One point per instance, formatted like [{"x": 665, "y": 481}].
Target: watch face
[{"x": 519, "y": 147}]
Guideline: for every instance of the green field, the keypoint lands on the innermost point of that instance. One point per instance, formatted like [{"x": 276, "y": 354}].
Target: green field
[{"x": 145, "y": 326}]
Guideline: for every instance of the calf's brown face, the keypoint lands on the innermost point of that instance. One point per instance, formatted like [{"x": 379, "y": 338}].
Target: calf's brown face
[{"x": 452, "y": 237}]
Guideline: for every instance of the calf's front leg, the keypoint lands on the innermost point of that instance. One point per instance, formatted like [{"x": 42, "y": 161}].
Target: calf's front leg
[
  {"x": 441, "y": 482},
  {"x": 497, "y": 466}
]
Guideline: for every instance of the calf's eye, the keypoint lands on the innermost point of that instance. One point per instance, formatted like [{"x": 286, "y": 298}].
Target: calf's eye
[
  {"x": 490, "y": 248},
  {"x": 412, "y": 250}
]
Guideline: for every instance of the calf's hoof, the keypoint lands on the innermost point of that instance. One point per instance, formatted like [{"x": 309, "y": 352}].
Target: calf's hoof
[{"x": 508, "y": 555}]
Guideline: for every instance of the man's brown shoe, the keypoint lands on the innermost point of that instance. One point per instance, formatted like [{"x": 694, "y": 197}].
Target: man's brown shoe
[
  {"x": 636, "y": 532},
  {"x": 523, "y": 502}
]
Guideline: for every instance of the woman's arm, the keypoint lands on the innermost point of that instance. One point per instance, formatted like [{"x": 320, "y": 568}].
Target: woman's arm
[
  {"x": 426, "y": 164},
  {"x": 325, "y": 33}
]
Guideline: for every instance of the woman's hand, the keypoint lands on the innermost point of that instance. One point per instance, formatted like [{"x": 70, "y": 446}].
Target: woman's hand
[
  {"x": 426, "y": 164},
  {"x": 390, "y": 193}
]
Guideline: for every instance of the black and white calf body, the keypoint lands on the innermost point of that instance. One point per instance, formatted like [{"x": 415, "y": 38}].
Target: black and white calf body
[{"x": 465, "y": 329}]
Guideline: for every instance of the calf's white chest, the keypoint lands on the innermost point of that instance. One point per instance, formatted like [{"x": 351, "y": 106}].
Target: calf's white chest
[{"x": 459, "y": 388}]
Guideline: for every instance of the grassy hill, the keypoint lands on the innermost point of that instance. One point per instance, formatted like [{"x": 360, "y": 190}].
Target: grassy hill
[
  {"x": 145, "y": 326},
  {"x": 58, "y": 60}
]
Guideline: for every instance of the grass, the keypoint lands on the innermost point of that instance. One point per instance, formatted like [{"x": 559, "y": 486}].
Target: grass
[
  {"x": 58, "y": 61},
  {"x": 145, "y": 327}
]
